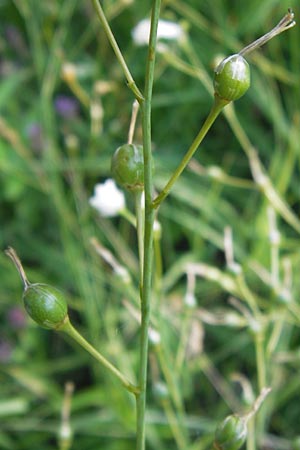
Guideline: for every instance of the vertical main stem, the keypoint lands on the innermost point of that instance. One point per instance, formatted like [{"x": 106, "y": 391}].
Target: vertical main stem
[
  {"x": 140, "y": 231},
  {"x": 148, "y": 234}
]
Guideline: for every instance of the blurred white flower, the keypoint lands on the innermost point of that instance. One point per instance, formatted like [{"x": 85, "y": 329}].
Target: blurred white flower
[
  {"x": 166, "y": 30},
  {"x": 108, "y": 200},
  {"x": 190, "y": 300},
  {"x": 154, "y": 336}
]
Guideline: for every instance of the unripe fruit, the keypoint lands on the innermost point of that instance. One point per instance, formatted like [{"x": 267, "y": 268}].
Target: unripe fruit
[
  {"x": 231, "y": 433},
  {"x": 232, "y": 78},
  {"x": 46, "y": 305},
  {"x": 127, "y": 167}
]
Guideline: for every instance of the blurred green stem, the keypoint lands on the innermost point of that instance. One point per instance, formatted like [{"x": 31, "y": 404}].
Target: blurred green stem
[
  {"x": 217, "y": 107},
  {"x": 260, "y": 358},
  {"x": 260, "y": 177},
  {"x": 158, "y": 264},
  {"x": 251, "y": 434},
  {"x": 130, "y": 81},
  {"x": 128, "y": 216},
  {"x": 148, "y": 235},
  {"x": 68, "y": 328},
  {"x": 174, "y": 389},
  {"x": 174, "y": 425}
]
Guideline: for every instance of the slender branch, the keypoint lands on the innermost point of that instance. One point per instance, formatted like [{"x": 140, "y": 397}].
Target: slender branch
[
  {"x": 174, "y": 425},
  {"x": 130, "y": 81},
  {"x": 260, "y": 358},
  {"x": 68, "y": 328},
  {"x": 217, "y": 107}
]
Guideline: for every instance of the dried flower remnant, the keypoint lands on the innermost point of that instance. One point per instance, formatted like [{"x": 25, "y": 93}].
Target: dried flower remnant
[
  {"x": 68, "y": 72},
  {"x": 108, "y": 200},
  {"x": 284, "y": 24}
]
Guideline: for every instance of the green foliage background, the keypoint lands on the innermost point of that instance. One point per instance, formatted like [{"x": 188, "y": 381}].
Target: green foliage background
[{"x": 49, "y": 165}]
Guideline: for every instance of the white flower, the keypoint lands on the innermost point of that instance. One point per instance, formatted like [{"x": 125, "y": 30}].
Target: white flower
[
  {"x": 154, "y": 336},
  {"x": 166, "y": 30},
  {"x": 107, "y": 199}
]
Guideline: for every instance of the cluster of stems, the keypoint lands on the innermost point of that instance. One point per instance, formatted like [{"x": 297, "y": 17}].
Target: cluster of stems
[
  {"x": 144, "y": 99},
  {"x": 145, "y": 223}
]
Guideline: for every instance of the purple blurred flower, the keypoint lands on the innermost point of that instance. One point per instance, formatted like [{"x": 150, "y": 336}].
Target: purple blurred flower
[
  {"x": 15, "y": 39},
  {"x": 16, "y": 317},
  {"x": 34, "y": 133},
  {"x": 67, "y": 107},
  {"x": 5, "y": 351}
]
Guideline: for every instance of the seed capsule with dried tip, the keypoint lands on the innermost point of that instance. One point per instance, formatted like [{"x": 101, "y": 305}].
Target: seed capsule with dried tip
[{"x": 45, "y": 304}]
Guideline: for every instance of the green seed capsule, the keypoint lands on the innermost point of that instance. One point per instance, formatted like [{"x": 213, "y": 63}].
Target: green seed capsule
[
  {"x": 231, "y": 433},
  {"x": 127, "y": 167},
  {"x": 46, "y": 305},
  {"x": 232, "y": 78}
]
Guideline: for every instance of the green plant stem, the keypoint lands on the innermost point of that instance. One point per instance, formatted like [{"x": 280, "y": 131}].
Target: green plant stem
[
  {"x": 158, "y": 269},
  {"x": 128, "y": 216},
  {"x": 130, "y": 81},
  {"x": 217, "y": 107},
  {"x": 247, "y": 295},
  {"x": 68, "y": 328},
  {"x": 140, "y": 230},
  {"x": 184, "y": 333},
  {"x": 259, "y": 336},
  {"x": 251, "y": 434},
  {"x": 148, "y": 235},
  {"x": 260, "y": 359},
  {"x": 255, "y": 425}
]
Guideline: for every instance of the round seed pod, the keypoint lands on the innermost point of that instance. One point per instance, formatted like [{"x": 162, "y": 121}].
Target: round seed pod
[
  {"x": 127, "y": 167},
  {"x": 46, "y": 305},
  {"x": 231, "y": 433},
  {"x": 232, "y": 78}
]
